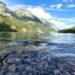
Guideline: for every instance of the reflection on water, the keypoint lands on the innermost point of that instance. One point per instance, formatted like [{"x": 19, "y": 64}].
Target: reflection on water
[
  {"x": 18, "y": 36},
  {"x": 55, "y": 44},
  {"x": 62, "y": 38},
  {"x": 62, "y": 45},
  {"x": 19, "y": 40}
]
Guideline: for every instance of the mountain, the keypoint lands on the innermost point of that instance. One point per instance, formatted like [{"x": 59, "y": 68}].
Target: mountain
[
  {"x": 26, "y": 15},
  {"x": 21, "y": 13},
  {"x": 68, "y": 30},
  {"x": 22, "y": 20},
  {"x": 2, "y": 8},
  {"x": 48, "y": 24}
]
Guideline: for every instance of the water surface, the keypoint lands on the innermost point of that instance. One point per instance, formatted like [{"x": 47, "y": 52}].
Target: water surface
[
  {"x": 23, "y": 54},
  {"x": 56, "y": 44}
]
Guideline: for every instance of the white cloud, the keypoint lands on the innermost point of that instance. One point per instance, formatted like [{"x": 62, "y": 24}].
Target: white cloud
[
  {"x": 66, "y": 19},
  {"x": 37, "y": 11},
  {"x": 3, "y": 0},
  {"x": 40, "y": 12},
  {"x": 57, "y": 6},
  {"x": 59, "y": 24},
  {"x": 54, "y": 9},
  {"x": 62, "y": 23},
  {"x": 15, "y": 7},
  {"x": 71, "y": 6}
]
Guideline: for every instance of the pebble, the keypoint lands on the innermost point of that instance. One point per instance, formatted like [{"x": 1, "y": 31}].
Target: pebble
[{"x": 35, "y": 63}]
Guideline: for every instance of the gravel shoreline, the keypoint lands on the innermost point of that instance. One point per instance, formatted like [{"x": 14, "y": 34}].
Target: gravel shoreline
[{"x": 35, "y": 63}]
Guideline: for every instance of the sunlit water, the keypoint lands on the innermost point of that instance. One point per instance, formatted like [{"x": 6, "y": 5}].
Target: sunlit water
[
  {"x": 63, "y": 45},
  {"x": 56, "y": 44},
  {"x": 34, "y": 54}
]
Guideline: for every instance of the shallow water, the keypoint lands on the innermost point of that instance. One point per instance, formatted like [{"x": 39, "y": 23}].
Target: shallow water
[
  {"x": 44, "y": 55},
  {"x": 56, "y": 44}
]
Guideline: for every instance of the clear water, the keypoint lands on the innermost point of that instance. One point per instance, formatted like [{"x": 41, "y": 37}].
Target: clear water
[
  {"x": 63, "y": 45},
  {"x": 57, "y": 44}
]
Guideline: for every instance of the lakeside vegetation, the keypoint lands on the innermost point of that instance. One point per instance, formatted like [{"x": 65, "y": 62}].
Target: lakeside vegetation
[
  {"x": 7, "y": 24},
  {"x": 69, "y": 30}
]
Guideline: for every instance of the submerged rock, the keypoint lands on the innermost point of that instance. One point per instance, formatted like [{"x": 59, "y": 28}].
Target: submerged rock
[{"x": 35, "y": 63}]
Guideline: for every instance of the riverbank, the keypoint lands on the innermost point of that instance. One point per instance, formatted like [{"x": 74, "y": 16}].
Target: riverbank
[{"x": 35, "y": 63}]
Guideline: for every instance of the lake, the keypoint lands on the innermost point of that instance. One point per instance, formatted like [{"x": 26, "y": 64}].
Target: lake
[
  {"x": 44, "y": 55},
  {"x": 60, "y": 43}
]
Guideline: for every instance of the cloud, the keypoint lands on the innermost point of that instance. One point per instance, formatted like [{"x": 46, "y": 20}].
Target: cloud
[
  {"x": 59, "y": 24},
  {"x": 54, "y": 9},
  {"x": 65, "y": 19},
  {"x": 15, "y": 7},
  {"x": 62, "y": 23},
  {"x": 3, "y": 0},
  {"x": 57, "y": 6},
  {"x": 71, "y": 6},
  {"x": 40, "y": 12}
]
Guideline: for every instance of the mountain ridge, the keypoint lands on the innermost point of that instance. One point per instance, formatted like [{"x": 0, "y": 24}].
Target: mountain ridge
[{"x": 21, "y": 20}]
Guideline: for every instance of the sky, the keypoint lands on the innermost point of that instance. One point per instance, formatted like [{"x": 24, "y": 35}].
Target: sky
[{"x": 59, "y": 12}]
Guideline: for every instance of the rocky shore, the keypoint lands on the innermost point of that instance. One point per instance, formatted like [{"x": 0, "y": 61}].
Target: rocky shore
[{"x": 35, "y": 63}]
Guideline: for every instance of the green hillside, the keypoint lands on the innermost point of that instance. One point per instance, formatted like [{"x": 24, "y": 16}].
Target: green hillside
[{"x": 21, "y": 20}]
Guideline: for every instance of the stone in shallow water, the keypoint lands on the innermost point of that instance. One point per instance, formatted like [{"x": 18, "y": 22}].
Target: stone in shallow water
[
  {"x": 28, "y": 68},
  {"x": 20, "y": 68},
  {"x": 63, "y": 72},
  {"x": 57, "y": 72},
  {"x": 11, "y": 73},
  {"x": 12, "y": 68},
  {"x": 1, "y": 64},
  {"x": 36, "y": 63},
  {"x": 1, "y": 72},
  {"x": 13, "y": 61}
]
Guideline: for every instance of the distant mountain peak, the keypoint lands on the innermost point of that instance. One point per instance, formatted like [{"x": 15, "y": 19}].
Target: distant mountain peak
[{"x": 24, "y": 12}]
